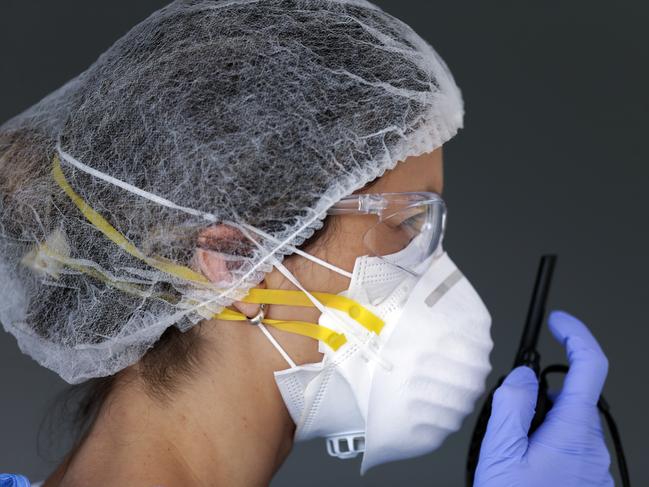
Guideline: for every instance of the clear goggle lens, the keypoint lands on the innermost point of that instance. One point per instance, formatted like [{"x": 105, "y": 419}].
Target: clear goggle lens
[
  {"x": 408, "y": 237},
  {"x": 408, "y": 227}
]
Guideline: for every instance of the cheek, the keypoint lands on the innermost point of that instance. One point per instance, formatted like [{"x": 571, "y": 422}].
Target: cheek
[
  {"x": 348, "y": 242},
  {"x": 340, "y": 246},
  {"x": 438, "y": 181},
  {"x": 315, "y": 277}
]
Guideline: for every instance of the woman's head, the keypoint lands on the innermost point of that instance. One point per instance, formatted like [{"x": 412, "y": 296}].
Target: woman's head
[
  {"x": 178, "y": 356},
  {"x": 199, "y": 117}
]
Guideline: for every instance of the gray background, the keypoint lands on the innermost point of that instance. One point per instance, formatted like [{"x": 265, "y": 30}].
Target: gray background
[{"x": 552, "y": 159}]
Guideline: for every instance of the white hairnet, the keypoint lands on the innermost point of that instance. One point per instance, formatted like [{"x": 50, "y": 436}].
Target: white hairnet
[{"x": 255, "y": 114}]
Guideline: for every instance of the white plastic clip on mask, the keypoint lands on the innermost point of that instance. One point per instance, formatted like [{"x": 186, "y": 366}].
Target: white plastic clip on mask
[{"x": 437, "y": 340}]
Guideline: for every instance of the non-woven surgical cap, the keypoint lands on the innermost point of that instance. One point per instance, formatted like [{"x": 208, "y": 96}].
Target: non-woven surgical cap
[{"x": 252, "y": 117}]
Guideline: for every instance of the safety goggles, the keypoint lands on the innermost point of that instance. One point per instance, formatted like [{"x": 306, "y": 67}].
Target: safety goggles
[{"x": 415, "y": 220}]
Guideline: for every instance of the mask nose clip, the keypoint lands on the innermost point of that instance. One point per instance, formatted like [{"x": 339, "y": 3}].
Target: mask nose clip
[{"x": 346, "y": 446}]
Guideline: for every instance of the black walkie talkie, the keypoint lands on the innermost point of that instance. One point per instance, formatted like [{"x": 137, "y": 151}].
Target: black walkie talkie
[{"x": 528, "y": 355}]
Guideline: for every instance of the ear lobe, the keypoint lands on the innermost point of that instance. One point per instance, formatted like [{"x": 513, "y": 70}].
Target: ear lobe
[{"x": 250, "y": 309}]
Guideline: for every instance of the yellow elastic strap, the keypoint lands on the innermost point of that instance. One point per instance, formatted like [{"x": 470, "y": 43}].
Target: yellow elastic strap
[
  {"x": 267, "y": 296},
  {"x": 116, "y": 237},
  {"x": 297, "y": 298},
  {"x": 326, "y": 335},
  {"x": 126, "y": 287}
]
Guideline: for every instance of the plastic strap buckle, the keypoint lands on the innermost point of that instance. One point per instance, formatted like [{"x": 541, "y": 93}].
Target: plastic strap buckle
[{"x": 347, "y": 445}]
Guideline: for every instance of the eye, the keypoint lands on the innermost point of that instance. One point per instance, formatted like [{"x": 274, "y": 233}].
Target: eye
[{"x": 408, "y": 218}]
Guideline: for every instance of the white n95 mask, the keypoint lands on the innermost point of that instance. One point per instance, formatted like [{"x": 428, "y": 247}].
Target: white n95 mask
[{"x": 434, "y": 360}]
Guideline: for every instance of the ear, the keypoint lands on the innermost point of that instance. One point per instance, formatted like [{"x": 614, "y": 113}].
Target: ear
[
  {"x": 250, "y": 309},
  {"x": 214, "y": 244}
]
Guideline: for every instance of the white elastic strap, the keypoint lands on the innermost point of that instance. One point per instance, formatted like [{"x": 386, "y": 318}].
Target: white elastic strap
[
  {"x": 129, "y": 187},
  {"x": 279, "y": 348},
  {"x": 350, "y": 332},
  {"x": 312, "y": 258}
]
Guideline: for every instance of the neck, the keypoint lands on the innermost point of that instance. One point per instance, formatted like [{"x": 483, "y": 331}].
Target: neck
[{"x": 226, "y": 426}]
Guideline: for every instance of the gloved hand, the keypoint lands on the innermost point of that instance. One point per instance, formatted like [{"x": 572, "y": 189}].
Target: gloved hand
[
  {"x": 568, "y": 449},
  {"x": 9, "y": 480}
]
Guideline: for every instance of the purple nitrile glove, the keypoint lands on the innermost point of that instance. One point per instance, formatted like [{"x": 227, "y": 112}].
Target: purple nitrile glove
[{"x": 568, "y": 449}]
